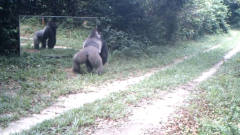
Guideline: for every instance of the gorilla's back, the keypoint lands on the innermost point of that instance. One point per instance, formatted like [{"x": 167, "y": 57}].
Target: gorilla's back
[
  {"x": 39, "y": 34},
  {"x": 93, "y": 42}
]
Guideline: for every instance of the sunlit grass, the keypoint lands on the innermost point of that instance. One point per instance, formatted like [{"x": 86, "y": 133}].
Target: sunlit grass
[
  {"x": 116, "y": 105},
  {"x": 223, "y": 97},
  {"x": 33, "y": 81}
]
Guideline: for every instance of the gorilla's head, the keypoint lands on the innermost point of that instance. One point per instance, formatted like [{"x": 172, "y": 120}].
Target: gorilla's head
[
  {"x": 52, "y": 24},
  {"x": 95, "y": 34}
]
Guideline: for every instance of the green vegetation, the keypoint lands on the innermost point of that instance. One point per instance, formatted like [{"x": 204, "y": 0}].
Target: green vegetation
[
  {"x": 33, "y": 81},
  {"x": 222, "y": 95},
  {"x": 117, "y": 105},
  {"x": 234, "y": 9},
  {"x": 141, "y": 35},
  {"x": 129, "y": 25}
]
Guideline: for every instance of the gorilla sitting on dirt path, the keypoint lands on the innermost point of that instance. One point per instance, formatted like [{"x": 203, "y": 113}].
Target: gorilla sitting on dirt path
[
  {"x": 94, "y": 54},
  {"x": 47, "y": 34}
]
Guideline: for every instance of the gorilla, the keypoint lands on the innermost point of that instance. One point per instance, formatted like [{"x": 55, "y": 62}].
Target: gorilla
[
  {"x": 47, "y": 34},
  {"x": 89, "y": 56},
  {"x": 94, "y": 39},
  {"x": 94, "y": 54}
]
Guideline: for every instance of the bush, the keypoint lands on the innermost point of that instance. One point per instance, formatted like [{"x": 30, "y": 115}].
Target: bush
[
  {"x": 199, "y": 17},
  {"x": 134, "y": 23},
  {"x": 9, "y": 30},
  {"x": 123, "y": 44}
]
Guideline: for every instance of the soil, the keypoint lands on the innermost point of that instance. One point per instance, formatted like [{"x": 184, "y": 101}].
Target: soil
[
  {"x": 152, "y": 119},
  {"x": 142, "y": 119}
]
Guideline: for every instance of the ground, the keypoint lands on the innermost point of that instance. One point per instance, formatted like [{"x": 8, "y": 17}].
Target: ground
[{"x": 137, "y": 96}]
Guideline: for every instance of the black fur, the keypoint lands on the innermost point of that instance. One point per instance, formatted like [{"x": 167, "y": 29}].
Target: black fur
[
  {"x": 104, "y": 52},
  {"x": 47, "y": 34}
]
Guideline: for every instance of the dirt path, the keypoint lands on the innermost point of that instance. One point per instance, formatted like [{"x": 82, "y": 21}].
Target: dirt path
[
  {"x": 69, "y": 102},
  {"x": 153, "y": 117},
  {"x": 77, "y": 100}
]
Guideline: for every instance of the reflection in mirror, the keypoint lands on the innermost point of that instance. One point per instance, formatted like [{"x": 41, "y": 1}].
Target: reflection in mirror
[{"x": 64, "y": 34}]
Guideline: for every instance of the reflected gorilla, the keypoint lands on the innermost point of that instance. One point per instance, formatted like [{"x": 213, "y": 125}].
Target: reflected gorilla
[
  {"x": 94, "y": 54},
  {"x": 47, "y": 34}
]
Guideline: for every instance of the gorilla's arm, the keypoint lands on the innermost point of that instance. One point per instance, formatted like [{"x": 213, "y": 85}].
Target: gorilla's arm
[
  {"x": 38, "y": 38},
  {"x": 54, "y": 36},
  {"x": 104, "y": 52},
  {"x": 51, "y": 34},
  {"x": 45, "y": 36},
  {"x": 51, "y": 40}
]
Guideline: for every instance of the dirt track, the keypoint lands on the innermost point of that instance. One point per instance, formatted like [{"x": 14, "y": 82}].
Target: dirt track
[
  {"x": 136, "y": 121},
  {"x": 156, "y": 115}
]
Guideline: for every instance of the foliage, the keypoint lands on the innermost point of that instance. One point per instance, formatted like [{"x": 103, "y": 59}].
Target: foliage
[
  {"x": 164, "y": 21},
  {"x": 234, "y": 11},
  {"x": 223, "y": 97},
  {"x": 33, "y": 81},
  {"x": 9, "y": 32},
  {"x": 201, "y": 16},
  {"x": 122, "y": 44},
  {"x": 141, "y": 22},
  {"x": 116, "y": 105}
]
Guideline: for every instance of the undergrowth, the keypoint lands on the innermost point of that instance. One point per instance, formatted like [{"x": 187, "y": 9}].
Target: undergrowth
[
  {"x": 223, "y": 97},
  {"x": 34, "y": 81},
  {"x": 116, "y": 105}
]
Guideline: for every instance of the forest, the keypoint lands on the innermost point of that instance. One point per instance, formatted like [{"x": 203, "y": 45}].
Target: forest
[
  {"x": 160, "y": 21},
  {"x": 172, "y": 68}
]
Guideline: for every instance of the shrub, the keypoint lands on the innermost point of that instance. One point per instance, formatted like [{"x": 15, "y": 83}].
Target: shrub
[{"x": 198, "y": 17}]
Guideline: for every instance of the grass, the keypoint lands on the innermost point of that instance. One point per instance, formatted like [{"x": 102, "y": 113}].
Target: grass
[
  {"x": 117, "y": 105},
  {"x": 30, "y": 83},
  {"x": 222, "y": 96}
]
